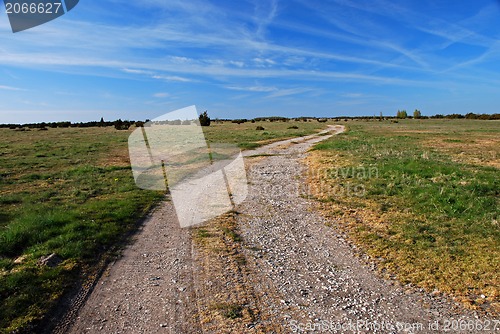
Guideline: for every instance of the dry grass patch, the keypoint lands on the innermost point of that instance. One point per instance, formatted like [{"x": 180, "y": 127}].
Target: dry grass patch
[
  {"x": 423, "y": 217},
  {"x": 226, "y": 301}
]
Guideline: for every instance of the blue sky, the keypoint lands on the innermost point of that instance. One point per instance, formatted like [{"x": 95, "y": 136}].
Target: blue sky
[{"x": 243, "y": 59}]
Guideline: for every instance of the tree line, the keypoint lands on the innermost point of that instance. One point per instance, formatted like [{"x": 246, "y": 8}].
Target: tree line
[{"x": 205, "y": 120}]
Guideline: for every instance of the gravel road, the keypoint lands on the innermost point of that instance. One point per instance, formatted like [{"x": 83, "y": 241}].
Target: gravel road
[
  {"x": 150, "y": 288},
  {"x": 305, "y": 275}
]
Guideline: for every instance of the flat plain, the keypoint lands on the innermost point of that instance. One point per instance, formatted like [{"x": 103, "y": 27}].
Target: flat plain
[
  {"x": 420, "y": 197},
  {"x": 70, "y": 191}
]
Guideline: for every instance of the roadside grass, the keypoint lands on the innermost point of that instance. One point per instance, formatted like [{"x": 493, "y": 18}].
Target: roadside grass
[
  {"x": 426, "y": 210},
  {"x": 70, "y": 191},
  {"x": 246, "y": 136},
  {"x": 60, "y": 193}
]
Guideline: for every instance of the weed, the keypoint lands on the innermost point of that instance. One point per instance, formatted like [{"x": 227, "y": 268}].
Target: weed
[
  {"x": 232, "y": 234},
  {"x": 230, "y": 311}
]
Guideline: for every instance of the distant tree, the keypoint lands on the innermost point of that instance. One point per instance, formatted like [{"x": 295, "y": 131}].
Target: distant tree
[
  {"x": 401, "y": 114},
  {"x": 121, "y": 125},
  {"x": 417, "y": 114},
  {"x": 101, "y": 122},
  {"x": 204, "y": 119},
  {"x": 239, "y": 121},
  {"x": 63, "y": 124}
]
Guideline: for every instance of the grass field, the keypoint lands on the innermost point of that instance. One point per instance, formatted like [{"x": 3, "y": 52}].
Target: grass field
[
  {"x": 70, "y": 191},
  {"x": 421, "y": 197}
]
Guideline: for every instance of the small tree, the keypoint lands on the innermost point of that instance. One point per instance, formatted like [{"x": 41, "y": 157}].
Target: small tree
[
  {"x": 204, "y": 119},
  {"x": 118, "y": 124},
  {"x": 401, "y": 114},
  {"x": 417, "y": 114},
  {"x": 121, "y": 125}
]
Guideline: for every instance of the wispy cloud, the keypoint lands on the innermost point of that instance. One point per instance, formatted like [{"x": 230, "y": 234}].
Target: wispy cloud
[
  {"x": 161, "y": 95},
  {"x": 135, "y": 71},
  {"x": 287, "y": 92},
  {"x": 10, "y": 88},
  {"x": 259, "y": 89},
  {"x": 274, "y": 91},
  {"x": 264, "y": 49},
  {"x": 265, "y": 12},
  {"x": 171, "y": 78}
]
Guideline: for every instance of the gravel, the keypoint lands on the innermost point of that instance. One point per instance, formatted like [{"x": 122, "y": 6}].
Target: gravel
[
  {"x": 305, "y": 276},
  {"x": 150, "y": 288}
]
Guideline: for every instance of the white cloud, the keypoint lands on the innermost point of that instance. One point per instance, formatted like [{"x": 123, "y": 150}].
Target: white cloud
[
  {"x": 134, "y": 71},
  {"x": 237, "y": 63},
  {"x": 161, "y": 95},
  {"x": 10, "y": 88},
  {"x": 287, "y": 92},
  {"x": 264, "y": 89},
  {"x": 171, "y": 78}
]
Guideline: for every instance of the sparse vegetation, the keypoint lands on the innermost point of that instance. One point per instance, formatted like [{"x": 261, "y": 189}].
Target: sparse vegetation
[
  {"x": 231, "y": 311},
  {"x": 70, "y": 191},
  {"x": 430, "y": 214},
  {"x": 246, "y": 137}
]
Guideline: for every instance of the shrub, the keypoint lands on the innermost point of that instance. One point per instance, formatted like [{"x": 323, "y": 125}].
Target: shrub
[
  {"x": 260, "y": 128},
  {"x": 204, "y": 119},
  {"x": 121, "y": 125},
  {"x": 239, "y": 121}
]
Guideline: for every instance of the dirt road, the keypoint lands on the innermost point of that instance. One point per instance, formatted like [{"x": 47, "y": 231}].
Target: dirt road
[{"x": 301, "y": 275}]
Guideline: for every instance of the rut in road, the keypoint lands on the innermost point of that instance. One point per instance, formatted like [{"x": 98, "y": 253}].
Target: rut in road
[
  {"x": 149, "y": 289},
  {"x": 306, "y": 273},
  {"x": 296, "y": 270}
]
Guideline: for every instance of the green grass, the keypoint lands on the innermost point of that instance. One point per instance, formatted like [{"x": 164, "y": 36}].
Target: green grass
[
  {"x": 246, "y": 136},
  {"x": 71, "y": 192},
  {"x": 60, "y": 193},
  {"x": 230, "y": 311},
  {"x": 431, "y": 212}
]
